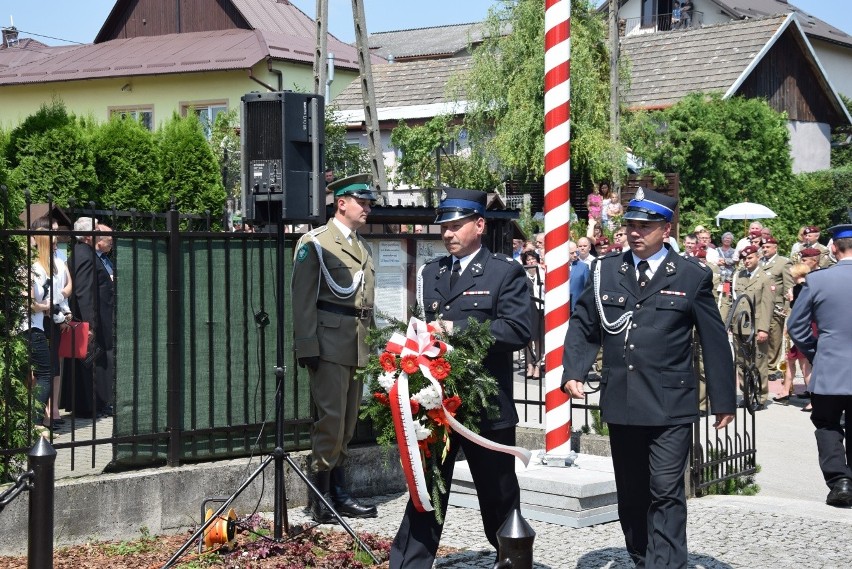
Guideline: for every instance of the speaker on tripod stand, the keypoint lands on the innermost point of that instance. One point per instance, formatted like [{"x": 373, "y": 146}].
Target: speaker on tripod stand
[
  {"x": 283, "y": 144},
  {"x": 282, "y": 139}
]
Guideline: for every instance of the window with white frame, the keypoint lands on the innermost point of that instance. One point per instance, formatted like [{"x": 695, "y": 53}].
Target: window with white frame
[
  {"x": 206, "y": 111},
  {"x": 143, "y": 114}
]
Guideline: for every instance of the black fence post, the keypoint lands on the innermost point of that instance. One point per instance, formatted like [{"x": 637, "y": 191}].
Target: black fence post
[
  {"x": 42, "y": 459},
  {"x": 173, "y": 335}
]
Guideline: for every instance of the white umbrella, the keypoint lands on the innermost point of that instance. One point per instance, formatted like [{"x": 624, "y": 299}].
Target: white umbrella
[{"x": 745, "y": 210}]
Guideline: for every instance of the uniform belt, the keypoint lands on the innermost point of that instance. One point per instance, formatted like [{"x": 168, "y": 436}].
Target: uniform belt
[{"x": 344, "y": 310}]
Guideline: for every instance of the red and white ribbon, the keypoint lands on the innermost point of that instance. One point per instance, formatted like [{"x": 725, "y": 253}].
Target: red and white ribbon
[{"x": 421, "y": 342}]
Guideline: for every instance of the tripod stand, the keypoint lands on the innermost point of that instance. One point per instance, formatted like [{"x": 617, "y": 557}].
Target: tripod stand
[{"x": 279, "y": 455}]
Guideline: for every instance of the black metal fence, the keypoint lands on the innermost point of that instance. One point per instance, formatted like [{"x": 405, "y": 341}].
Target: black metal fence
[{"x": 190, "y": 369}]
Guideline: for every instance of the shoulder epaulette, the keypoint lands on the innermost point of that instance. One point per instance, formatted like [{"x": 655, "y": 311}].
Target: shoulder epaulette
[
  {"x": 699, "y": 262},
  {"x": 503, "y": 258},
  {"x": 318, "y": 230}
]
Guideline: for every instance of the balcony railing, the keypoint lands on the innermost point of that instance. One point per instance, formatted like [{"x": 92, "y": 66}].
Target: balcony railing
[{"x": 660, "y": 23}]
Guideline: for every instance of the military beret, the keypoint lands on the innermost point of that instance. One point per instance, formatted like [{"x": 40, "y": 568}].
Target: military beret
[
  {"x": 811, "y": 229},
  {"x": 810, "y": 252},
  {"x": 748, "y": 251},
  {"x": 769, "y": 240},
  {"x": 701, "y": 251},
  {"x": 755, "y": 233}
]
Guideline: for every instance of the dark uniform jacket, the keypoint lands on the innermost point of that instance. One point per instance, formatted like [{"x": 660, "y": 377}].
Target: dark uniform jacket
[
  {"x": 648, "y": 377},
  {"x": 492, "y": 287},
  {"x": 334, "y": 337}
]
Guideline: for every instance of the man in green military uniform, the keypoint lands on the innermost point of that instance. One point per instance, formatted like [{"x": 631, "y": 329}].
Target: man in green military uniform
[
  {"x": 811, "y": 241},
  {"x": 777, "y": 268},
  {"x": 333, "y": 288},
  {"x": 753, "y": 282}
]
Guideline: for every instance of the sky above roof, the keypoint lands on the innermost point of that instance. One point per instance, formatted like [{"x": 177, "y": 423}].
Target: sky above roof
[{"x": 79, "y": 21}]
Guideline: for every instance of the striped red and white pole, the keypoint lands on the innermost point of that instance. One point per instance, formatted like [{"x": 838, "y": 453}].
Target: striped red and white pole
[{"x": 557, "y": 166}]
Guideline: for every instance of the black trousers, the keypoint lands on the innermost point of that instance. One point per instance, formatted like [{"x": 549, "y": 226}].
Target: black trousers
[
  {"x": 497, "y": 489},
  {"x": 834, "y": 461},
  {"x": 649, "y": 464}
]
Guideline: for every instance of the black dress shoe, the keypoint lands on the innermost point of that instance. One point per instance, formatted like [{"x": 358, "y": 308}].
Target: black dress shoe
[
  {"x": 782, "y": 400},
  {"x": 841, "y": 494},
  {"x": 804, "y": 395},
  {"x": 352, "y": 509}
]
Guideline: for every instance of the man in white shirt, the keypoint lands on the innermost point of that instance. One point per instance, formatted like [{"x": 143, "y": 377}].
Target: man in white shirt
[{"x": 584, "y": 251}]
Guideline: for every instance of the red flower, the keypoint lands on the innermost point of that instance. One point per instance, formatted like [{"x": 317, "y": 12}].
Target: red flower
[
  {"x": 381, "y": 398},
  {"x": 452, "y": 404},
  {"x": 409, "y": 363},
  {"x": 415, "y": 406},
  {"x": 440, "y": 368},
  {"x": 437, "y": 416},
  {"x": 424, "y": 448},
  {"x": 388, "y": 361}
]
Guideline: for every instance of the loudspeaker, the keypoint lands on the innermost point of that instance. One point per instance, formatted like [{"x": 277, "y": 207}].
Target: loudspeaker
[{"x": 283, "y": 142}]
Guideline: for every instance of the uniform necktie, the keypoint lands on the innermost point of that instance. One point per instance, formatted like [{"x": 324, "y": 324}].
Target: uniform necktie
[
  {"x": 454, "y": 276},
  {"x": 642, "y": 267}
]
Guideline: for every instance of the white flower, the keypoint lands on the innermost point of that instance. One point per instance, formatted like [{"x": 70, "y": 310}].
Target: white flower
[
  {"x": 428, "y": 397},
  {"x": 386, "y": 380},
  {"x": 421, "y": 431}
]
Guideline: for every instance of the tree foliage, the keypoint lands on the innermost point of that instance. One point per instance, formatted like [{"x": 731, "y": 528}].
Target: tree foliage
[
  {"x": 418, "y": 165},
  {"x": 57, "y": 161},
  {"x": 344, "y": 158},
  {"x": 16, "y": 427},
  {"x": 126, "y": 163},
  {"x": 505, "y": 92},
  {"x": 191, "y": 178},
  {"x": 841, "y": 151},
  {"x": 726, "y": 151},
  {"x": 225, "y": 143},
  {"x": 48, "y": 117}
]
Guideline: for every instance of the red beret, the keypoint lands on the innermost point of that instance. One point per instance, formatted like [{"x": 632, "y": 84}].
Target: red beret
[
  {"x": 700, "y": 252},
  {"x": 810, "y": 252},
  {"x": 755, "y": 233},
  {"x": 748, "y": 251},
  {"x": 811, "y": 229},
  {"x": 769, "y": 239}
]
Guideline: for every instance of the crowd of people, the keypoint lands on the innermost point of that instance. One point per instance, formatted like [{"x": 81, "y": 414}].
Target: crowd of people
[{"x": 64, "y": 292}]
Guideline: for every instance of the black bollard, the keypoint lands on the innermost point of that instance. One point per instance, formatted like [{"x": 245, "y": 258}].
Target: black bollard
[
  {"x": 515, "y": 538},
  {"x": 40, "y": 541}
]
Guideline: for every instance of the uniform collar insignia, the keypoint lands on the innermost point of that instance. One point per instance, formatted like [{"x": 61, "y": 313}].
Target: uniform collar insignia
[
  {"x": 624, "y": 267},
  {"x": 640, "y": 194},
  {"x": 670, "y": 268},
  {"x": 477, "y": 267},
  {"x": 443, "y": 270}
]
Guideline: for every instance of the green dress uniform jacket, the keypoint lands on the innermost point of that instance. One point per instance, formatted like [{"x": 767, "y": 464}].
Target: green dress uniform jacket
[
  {"x": 759, "y": 289},
  {"x": 778, "y": 270},
  {"x": 333, "y": 336}
]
